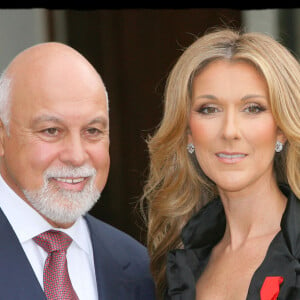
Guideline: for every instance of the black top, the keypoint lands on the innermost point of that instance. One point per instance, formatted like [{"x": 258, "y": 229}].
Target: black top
[{"x": 205, "y": 229}]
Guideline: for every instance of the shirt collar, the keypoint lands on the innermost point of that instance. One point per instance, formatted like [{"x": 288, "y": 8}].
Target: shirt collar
[{"x": 28, "y": 223}]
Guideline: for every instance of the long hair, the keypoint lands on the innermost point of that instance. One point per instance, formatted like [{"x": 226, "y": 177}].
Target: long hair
[{"x": 176, "y": 187}]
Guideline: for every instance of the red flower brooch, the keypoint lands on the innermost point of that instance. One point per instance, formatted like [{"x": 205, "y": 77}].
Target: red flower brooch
[{"x": 270, "y": 288}]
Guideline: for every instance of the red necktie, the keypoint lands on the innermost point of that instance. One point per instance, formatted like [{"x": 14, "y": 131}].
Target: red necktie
[{"x": 57, "y": 284}]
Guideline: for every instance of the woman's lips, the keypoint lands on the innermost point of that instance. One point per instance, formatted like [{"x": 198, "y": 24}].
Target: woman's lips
[{"x": 230, "y": 157}]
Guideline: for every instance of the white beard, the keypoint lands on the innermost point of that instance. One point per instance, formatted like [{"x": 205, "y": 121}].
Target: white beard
[{"x": 60, "y": 205}]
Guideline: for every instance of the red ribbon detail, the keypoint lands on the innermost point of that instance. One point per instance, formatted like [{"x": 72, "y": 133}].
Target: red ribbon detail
[{"x": 270, "y": 288}]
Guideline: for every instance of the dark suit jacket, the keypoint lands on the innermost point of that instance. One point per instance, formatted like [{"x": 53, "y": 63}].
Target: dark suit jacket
[{"x": 121, "y": 265}]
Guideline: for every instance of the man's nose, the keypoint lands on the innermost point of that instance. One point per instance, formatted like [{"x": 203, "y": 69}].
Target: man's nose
[{"x": 74, "y": 152}]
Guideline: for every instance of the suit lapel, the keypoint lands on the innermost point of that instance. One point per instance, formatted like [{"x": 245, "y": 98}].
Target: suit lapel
[
  {"x": 17, "y": 278},
  {"x": 109, "y": 271},
  {"x": 18, "y": 281}
]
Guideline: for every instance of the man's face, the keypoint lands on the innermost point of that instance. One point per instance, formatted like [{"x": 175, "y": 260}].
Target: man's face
[{"x": 58, "y": 142}]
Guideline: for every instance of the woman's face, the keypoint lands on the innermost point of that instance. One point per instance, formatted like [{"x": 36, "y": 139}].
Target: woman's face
[{"x": 232, "y": 127}]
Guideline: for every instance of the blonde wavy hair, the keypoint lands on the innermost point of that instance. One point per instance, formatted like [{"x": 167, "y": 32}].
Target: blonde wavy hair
[{"x": 176, "y": 187}]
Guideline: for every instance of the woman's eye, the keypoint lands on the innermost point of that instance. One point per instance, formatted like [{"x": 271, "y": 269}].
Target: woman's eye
[
  {"x": 207, "y": 110},
  {"x": 254, "y": 109}
]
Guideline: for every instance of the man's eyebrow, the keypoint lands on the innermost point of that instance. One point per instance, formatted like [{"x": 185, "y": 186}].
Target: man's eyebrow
[
  {"x": 50, "y": 118},
  {"x": 102, "y": 120},
  {"x": 46, "y": 118}
]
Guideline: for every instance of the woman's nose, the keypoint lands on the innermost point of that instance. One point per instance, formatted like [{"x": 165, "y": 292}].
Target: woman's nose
[{"x": 231, "y": 126}]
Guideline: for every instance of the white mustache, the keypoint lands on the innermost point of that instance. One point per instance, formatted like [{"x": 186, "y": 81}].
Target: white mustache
[{"x": 69, "y": 171}]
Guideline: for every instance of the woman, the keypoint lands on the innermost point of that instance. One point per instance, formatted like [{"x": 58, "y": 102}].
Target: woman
[{"x": 222, "y": 193}]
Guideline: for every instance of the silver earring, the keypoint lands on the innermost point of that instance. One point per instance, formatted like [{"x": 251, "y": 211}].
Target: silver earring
[
  {"x": 191, "y": 148},
  {"x": 278, "y": 146}
]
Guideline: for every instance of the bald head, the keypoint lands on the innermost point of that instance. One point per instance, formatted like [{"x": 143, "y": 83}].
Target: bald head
[
  {"x": 47, "y": 64},
  {"x": 40, "y": 58}
]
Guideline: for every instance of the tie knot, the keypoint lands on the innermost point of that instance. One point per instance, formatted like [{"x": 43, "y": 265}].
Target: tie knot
[{"x": 53, "y": 240}]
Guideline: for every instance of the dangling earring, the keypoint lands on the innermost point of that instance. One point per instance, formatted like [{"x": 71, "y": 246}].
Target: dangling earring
[
  {"x": 191, "y": 148},
  {"x": 278, "y": 146}
]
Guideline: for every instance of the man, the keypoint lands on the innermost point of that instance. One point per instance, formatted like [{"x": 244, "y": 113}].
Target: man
[{"x": 54, "y": 147}]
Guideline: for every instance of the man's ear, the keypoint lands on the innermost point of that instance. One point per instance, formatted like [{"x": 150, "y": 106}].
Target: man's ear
[{"x": 3, "y": 134}]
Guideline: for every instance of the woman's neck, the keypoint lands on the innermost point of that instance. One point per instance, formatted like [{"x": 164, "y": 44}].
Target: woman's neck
[{"x": 252, "y": 213}]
